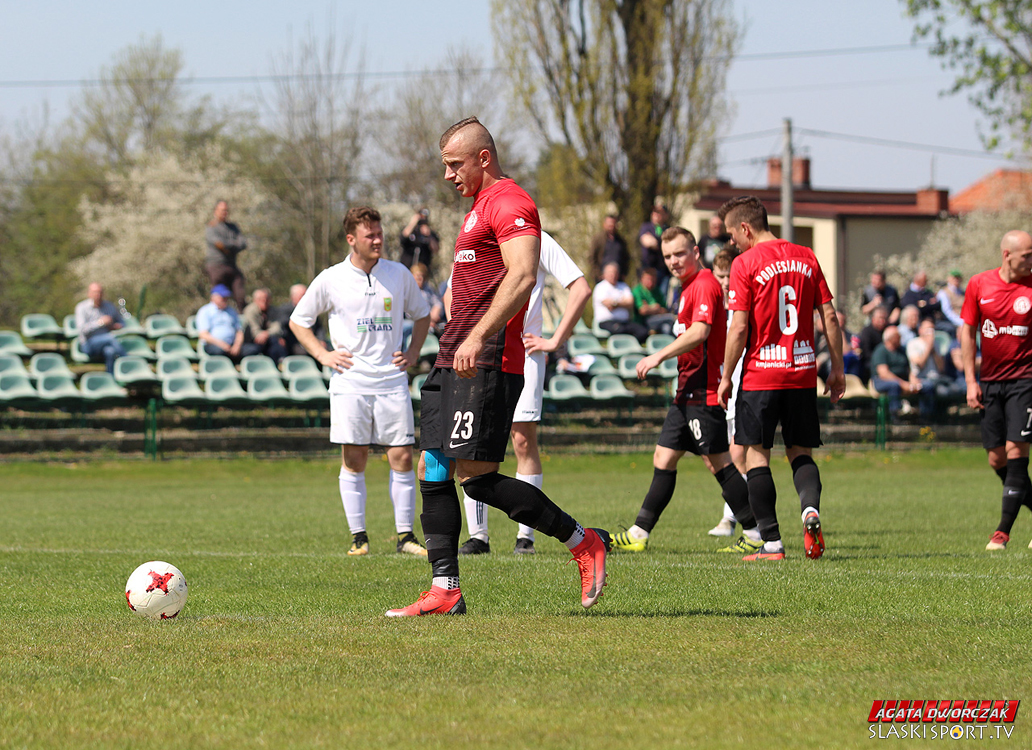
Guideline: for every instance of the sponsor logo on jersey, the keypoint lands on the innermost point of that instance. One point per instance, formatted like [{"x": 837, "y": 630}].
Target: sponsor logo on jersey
[
  {"x": 772, "y": 355},
  {"x": 703, "y": 307},
  {"x": 387, "y": 304},
  {"x": 471, "y": 221},
  {"x": 1022, "y": 305},
  {"x": 991, "y": 331},
  {"x": 802, "y": 353},
  {"x": 783, "y": 266},
  {"x": 365, "y": 325},
  {"x": 519, "y": 222},
  {"x": 465, "y": 256}
]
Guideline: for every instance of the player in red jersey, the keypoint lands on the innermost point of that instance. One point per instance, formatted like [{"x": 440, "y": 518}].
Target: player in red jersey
[
  {"x": 775, "y": 287},
  {"x": 695, "y": 422},
  {"x": 470, "y": 395},
  {"x": 998, "y": 303}
]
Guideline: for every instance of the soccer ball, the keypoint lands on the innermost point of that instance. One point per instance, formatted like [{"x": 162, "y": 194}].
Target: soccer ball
[{"x": 156, "y": 590}]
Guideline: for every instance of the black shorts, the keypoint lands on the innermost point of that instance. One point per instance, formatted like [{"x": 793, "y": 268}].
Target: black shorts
[
  {"x": 468, "y": 418},
  {"x": 1008, "y": 412},
  {"x": 757, "y": 414},
  {"x": 701, "y": 430}
]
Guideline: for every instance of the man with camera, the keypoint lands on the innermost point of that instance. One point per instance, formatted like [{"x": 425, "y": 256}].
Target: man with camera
[{"x": 419, "y": 243}]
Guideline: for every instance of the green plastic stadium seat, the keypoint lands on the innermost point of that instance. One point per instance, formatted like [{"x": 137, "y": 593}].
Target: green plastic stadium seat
[
  {"x": 136, "y": 346},
  {"x": 257, "y": 365},
  {"x": 584, "y": 343},
  {"x": 943, "y": 342},
  {"x": 297, "y": 365},
  {"x": 191, "y": 327},
  {"x": 657, "y": 341},
  {"x": 130, "y": 327},
  {"x": 68, "y": 326},
  {"x": 183, "y": 390},
  {"x": 217, "y": 367},
  {"x": 225, "y": 390},
  {"x": 12, "y": 365},
  {"x": 267, "y": 389},
  {"x": 416, "y": 388},
  {"x": 41, "y": 326},
  {"x": 175, "y": 367},
  {"x": 16, "y": 390},
  {"x": 134, "y": 371},
  {"x": 175, "y": 346},
  {"x": 855, "y": 389},
  {"x": 48, "y": 363},
  {"x": 620, "y": 344},
  {"x": 11, "y": 343},
  {"x": 76, "y": 353},
  {"x": 309, "y": 390},
  {"x": 431, "y": 347},
  {"x": 667, "y": 369},
  {"x": 599, "y": 332},
  {"x": 627, "y": 366},
  {"x": 159, "y": 325},
  {"x": 609, "y": 388},
  {"x": 601, "y": 366},
  {"x": 100, "y": 390},
  {"x": 566, "y": 388},
  {"x": 59, "y": 390},
  {"x": 581, "y": 327}
]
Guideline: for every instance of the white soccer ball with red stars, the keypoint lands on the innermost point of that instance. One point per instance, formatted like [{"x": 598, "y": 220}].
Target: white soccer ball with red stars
[{"x": 156, "y": 590}]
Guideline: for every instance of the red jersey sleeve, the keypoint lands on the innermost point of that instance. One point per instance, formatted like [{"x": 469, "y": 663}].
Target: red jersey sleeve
[
  {"x": 740, "y": 293},
  {"x": 513, "y": 214},
  {"x": 969, "y": 312},
  {"x": 707, "y": 301}
]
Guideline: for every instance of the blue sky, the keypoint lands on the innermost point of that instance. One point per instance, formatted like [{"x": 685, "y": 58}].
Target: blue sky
[{"x": 890, "y": 94}]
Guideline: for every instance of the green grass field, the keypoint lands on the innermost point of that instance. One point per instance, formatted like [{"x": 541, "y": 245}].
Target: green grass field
[{"x": 283, "y": 642}]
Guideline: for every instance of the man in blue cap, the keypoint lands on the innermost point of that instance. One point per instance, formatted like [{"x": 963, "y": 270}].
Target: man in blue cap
[{"x": 218, "y": 326}]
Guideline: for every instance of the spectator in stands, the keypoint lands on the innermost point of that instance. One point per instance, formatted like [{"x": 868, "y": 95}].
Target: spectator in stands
[
  {"x": 909, "y": 320},
  {"x": 919, "y": 295},
  {"x": 420, "y": 273},
  {"x": 890, "y": 370},
  {"x": 871, "y": 338},
  {"x": 613, "y": 302},
  {"x": 608, "y": 246},
  {"x": 224, "y": 242},
  {"x": 262, "y": 334},
  {"x": 714, "y": 241},
  {"x": 881, "y": 294},
  {"x": 951, "y": 300},
  {"x": 419, "y": 243},
  {"x": 931, "y": 368},
  {"x": 649, "y": 244},
  {"x": 96, "y": 318},
  {"x": 218, "y": 325},
  {"x": 648, "y": 304},
  {"x": 282, "y": 316}
]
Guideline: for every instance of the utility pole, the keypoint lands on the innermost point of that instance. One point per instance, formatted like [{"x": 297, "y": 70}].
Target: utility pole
[{"x": 787, "y": 197}]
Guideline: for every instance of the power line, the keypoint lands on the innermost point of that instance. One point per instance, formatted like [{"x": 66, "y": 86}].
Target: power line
[{"x": 888, "y": 143}]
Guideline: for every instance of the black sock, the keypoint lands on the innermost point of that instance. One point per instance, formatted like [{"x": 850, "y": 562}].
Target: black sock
[
  {"x": 807, "y": 478},
  {"x": 657, "y": 498},
  {"x": 522, "y": 502},
  {"x": 442, "y": 523},
  {"x": 1001, "y": 473},
  {"x": 763, "y": 496},
  {"x": 1014, "y": 492},
  {"x": 736, "y": 495}
]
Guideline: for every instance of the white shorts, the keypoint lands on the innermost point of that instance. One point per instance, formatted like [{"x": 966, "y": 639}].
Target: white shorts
[
  {"x": 528, "y": 408},
  {"x": 730, "y": 429},
  {"x": 381, "y": 419}
]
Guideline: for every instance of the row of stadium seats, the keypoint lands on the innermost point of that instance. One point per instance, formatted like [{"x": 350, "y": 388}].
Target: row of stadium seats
[
  {"x": 566, "y": 388},
  {"x": 138, "y": 371},
  {"x": 41, "y": 326},
  {"x": 616, "y": 345}
]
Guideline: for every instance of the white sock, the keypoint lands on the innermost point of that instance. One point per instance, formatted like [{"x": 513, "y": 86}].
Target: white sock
[
  {"x": 753, "y": 534},
  {"x": 808, "y": 510},
  {"x": 637, "y": 532},
  {"x": 476, "y": 517},
  {"x": 537, "y": 480},
  {"x": 729, "y": 514},
  {"x": 445, "y": 582},
  {"x": 403, "y": 496},
  {"x": 773, "y": 546},
  {"x": 577, "y": 538},
  {"x": 353, "y": 495}
]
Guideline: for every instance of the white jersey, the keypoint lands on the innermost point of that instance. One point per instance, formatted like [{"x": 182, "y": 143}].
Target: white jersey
[
  {"x": 555, "y": 261},
  {"x": 366, "y": 312},
  {"x": 736, "y": 378}
]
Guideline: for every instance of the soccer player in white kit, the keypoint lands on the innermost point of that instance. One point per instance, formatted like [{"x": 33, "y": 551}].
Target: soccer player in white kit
[
  {"x": 366, "y": 297},
  {"x": 556, "y": 262}
]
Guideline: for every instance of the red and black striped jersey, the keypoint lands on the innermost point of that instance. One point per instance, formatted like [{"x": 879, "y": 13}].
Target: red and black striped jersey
[
  {"x": 1002, "y": 313},
  {"x": 499, "y": 213}
]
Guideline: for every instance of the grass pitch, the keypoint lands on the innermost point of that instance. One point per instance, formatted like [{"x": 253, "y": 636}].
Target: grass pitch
[{"x": 283, "y": 642}]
